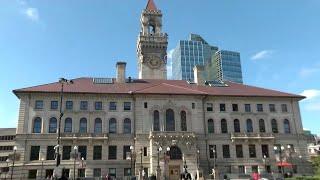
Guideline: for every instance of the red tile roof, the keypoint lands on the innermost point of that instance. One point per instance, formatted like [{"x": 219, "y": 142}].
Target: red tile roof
[
  {"x": 151, "y": 5},
  {"x": 147, "y": 86}
]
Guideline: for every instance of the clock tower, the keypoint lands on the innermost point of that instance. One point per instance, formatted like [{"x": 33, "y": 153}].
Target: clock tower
[{"x": 152, "y": 44}]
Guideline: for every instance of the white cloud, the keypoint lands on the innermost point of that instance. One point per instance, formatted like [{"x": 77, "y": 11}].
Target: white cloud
[
  {"x": 170, "y": 53},
  {"x": 31, "y": 13},
  {"x": 312, "y": 102},
  {"x": 262, "y": 54},
  {"x": 306, "y": 72},
  {"x": 311, "y": 93}
]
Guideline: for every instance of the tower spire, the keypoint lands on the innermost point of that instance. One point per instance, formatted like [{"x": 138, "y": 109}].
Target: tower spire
[{"x": 151, "y": 5}]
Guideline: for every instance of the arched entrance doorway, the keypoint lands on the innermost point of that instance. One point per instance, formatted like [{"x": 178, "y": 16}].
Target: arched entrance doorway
[{"x": 175, "y": 162}]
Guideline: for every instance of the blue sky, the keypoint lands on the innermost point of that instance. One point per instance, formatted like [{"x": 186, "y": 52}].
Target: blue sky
[{"x": 43, "y": 40}]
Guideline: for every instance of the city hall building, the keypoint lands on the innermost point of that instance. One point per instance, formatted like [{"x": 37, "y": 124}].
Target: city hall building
[{"x": 156, "y": 126}]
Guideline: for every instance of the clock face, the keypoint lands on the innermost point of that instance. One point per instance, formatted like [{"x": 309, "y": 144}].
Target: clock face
[{"x": 154, "y": 62}]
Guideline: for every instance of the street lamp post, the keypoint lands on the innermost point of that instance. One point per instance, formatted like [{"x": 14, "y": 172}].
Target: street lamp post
[
  {"x": 264, "y": 161},
  {"x": 42, "y": 159},
  {"x": 82, "y": 162},
  {"x": 62, "y": 81},
  {"x": 158, "y": 167},
  {"x": 166, "y": 162},
  {"x": 13, "y": 160},
  {"x": 280, "y": 150},
  {"x": 214, "y": 163},
  {"x": 75, "y": 148},
  {"x": 131, "y": 159}
]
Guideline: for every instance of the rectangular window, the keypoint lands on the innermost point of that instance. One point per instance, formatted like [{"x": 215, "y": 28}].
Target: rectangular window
[
  {"x": 69, "y": 105},
  {"x": 254, "y": 169},
  {"x": 209, "y": 107},
  {"x": 97, "y": 172},
  {"x": 127, "y": 171},
  {"x": 34, "y": 153},
  {"x": 145, "y": 151},
  {"x": 284, "y": 108},
  {"x": 39, "y": 104},
  {"x": 54, "y": 105},
  {"x": 259, "y": 107},
  {"x": 239, "y": 151},
  {"x": 112, "y": 106},
  {"x": 241, "y": 170},
  {"x": 193, "y": 105},
  {"x": 235, "y": 107},
  {"x": 265, "y": 150},
  {"x": 49, "y": 172},
  {"x": 226, "y": 151},
  {"x": 145, "y": 170},
  {"x": 127, "y": 106},
  {"x": 126, "y": 152},
  {"x": 213, "y": 151},
  {"x": 50, "y": 152},
  {"x": 81, "y": 173},
  {"x": 268, "y": 168},
  {"x": 145, "y": 105},
  {"x": 112, "y": 152},
  {"x": 252, "y": 151},
  {"x": 113, "y": 172},
  {"x": 83, "y": 151},
  {"x": 84, "y": 105},
  {"x": 98, "y": 105},
  {"x": 97, "y": 152},
  {"x": 32, "y": 174},
  {"x": 222, "y": 107},
  {"x": 66, "y": 150},
  {"x": 65, "y": 172},
  {"x": 247, "y": 108},
  {"x": 272, "y": 108}
]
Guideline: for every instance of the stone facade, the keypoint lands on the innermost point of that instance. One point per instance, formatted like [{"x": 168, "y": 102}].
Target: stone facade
[
  {"x": 143, "y": 137},
  {"x": 7, "y": 138}
]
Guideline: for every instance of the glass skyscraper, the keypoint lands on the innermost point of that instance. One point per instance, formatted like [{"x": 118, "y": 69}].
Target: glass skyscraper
[
  {"x": 188, "y": 53},
  {"x": 219, "y": 65}
]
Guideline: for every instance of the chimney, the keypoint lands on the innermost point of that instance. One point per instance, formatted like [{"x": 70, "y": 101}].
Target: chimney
[
  {"x": 121, "y": 72},
  {"x": 198, "y": 74}
]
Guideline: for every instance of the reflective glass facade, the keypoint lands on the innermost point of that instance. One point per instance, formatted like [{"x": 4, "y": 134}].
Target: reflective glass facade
[
  {"x": 229, "y": 66},
  {"x": 188, "y": 53}
]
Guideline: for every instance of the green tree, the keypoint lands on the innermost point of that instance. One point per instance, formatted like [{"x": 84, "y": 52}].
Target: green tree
[{"x": 316, "y": 165}]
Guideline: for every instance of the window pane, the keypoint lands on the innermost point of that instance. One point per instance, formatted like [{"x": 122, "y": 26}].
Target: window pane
[
  {"x": 183, "y": 121},
  {"x": 54, "y": 105},
  {"x": 69, "y": 105},
  {"x": 113, "y": 106},
  {"x": 209, "y": 107},
  {"x": 83, "y": 151},
  {"x": 286, "y": 125},
  {"x": 34, "y": 153},
  {"x": 112, "y": 126},
  {"x": 247, "y": 108},
  {"x": 222, "y": 107},
  {"x": 98, "y": 105},
  {"x": 239, "y": 151},
  {"x": 53, "y": 125},
  {"x": 39, "y": 104},
  {"x": 84, "y": 105},
  {"x": 236, "y": 124},
  {"x": 274, "y": 126},
  {"x": 226, "y": 151},
  {"x": 252, "y": 151},
  {"x": 170, "y": 122},
  {"x": 97, "y": 152},
  {"x": 156, "y": 121},
  {"x": 126, "y": 152},
  {"x": 37, "y": 125},
  {"x": 235, "y": 107},
  {"x": 66, "y": 150},
  {"x": 127, "y": 126},
  {"x": 68, "y": 125},
  {"x": 83, "y": 125},
  {"x": 224, "y": 126},
  {"x": 112, "y": 152},
  {"x": 50, "y": 153},
  {"x": 127, "y": 106},
  {"x": 249, "y": 126},
  {"x": 210, "y": 126},
  {"x": 262, "y": 127},
  {"x": 98, "y": 125}
]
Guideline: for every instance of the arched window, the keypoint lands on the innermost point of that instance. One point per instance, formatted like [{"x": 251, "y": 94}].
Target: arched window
[
  {"x": 262, "y": 127},
  {"x": 83, "y": 125},
  {"x": 249, "y": 126},
  {"x": 127, "y": 126},
  {"x": 175, "y": 153},
  {"x": 170, "y": 122},
  {"x": 68, "y": 125},
  {"x": 286, "y": 125},
  {"x": 112, "y": 126},
  {"x": 210, "y": 126},
  {"x": 37, "y": 123},
  {"x": 97, "y": 125},
  {"x": 183, "y": 116},
  {"x": 236, "y": 125},
  {"x": 53, "y": 125},
  {"x": 156, "y": 121},
  {"x": 224, "y": 126},
  {"x": 274, "y": 126}
]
